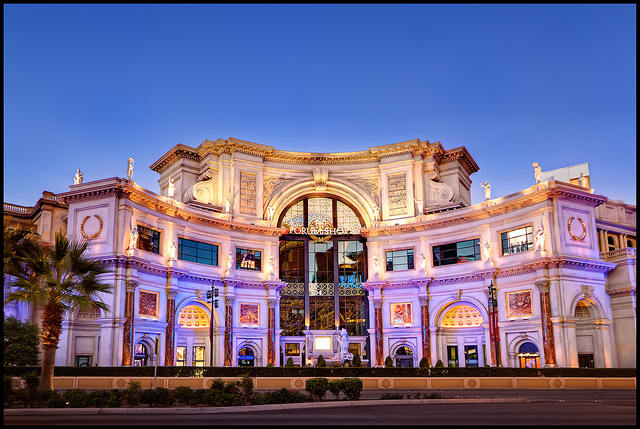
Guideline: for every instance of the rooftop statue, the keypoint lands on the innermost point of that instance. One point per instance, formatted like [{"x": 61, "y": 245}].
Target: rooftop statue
[
  {"x": 537, "y": 171},
  {"x": 487, "y": 190},
  {"x": 77, "y": 180},
  {"x": 130, "y": 168},
  {"x": 582, "y": 180}
]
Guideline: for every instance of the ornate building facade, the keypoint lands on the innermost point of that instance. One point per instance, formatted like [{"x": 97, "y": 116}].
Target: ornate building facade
[{"x": 250, "y": 255}]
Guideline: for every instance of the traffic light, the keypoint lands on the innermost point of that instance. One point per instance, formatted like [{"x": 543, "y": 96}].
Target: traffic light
[
  {"x": 209, "y": 295},
  {"x": 215, "y": 292},
  {"x": 215, "y": 303}
]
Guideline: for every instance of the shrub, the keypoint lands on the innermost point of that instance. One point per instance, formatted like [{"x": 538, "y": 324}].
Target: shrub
[
  {"x": 439, "y": 364},
  {"x": 164, "y": 398},
  {"x": 212, "y": 397},
  {"x": 99, "y": 398},
  {"x": 115, "y": 400},
  {"x": 388, "y": 362},
  {"x": 424, "y": 362},
  {"x": 9, "y": 393},
  {"x": 32, "y": 380},
  {"x": 76, "y": 398},
  {"x": 51, "y": 399},
  {"x": 183, "y": 394},
  {"x": 246, "y": 386},
  {"x": 20, "y": 396},
  {"x": 269, "y": 365},
  {"x": 149, "y": 397},
  {"x": 230, "y": 388},
  {"x": 335, "y": 386},
  {"x": 392, "y": 396},
  {"x": 282, "y": 396},
  {"x": 133, "y": 393},
  {"x": 317, "y": 387},
  {"x": 321, "y": 362},
  {"x": 352, "y": 388},
  {"x": 217, "y": 384},
  {"x": 289, "y": 363}
]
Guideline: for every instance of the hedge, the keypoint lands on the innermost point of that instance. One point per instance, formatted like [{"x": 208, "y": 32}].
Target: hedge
[{"x": 342, "y": 372}]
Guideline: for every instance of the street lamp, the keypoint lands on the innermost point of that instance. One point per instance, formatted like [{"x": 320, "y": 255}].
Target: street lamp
[
  {"x": 493, "y": 319},
  {"x": 211, "y": 295}
]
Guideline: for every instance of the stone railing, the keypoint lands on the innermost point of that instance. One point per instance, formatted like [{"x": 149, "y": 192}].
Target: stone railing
[
  {"x": 626, "y": 253},
  {"x": 8, "y": 207}
]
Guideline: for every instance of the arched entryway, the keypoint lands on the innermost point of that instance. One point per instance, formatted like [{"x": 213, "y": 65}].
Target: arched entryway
[
  {"x": 462, "y": 335},
  {"x": 323, "y": 263},
  {"x": 404, "y": 357},
  {"x": 246, "y": 356},
  {"x": 528, "y": 355},
  {"x": 193, "y": 335}
]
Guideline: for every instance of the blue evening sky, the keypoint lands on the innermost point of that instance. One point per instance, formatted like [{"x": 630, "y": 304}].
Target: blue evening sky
[{"x": 87, "y": 86}]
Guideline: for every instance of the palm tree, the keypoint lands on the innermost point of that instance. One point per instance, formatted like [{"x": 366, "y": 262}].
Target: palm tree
[{"x": 60, "y": 278}]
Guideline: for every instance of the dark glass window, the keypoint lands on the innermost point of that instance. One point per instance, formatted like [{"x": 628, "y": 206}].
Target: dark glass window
[
  {"x": 456, "y": 253},
  {"x": 398, "y": 260},
  {"x": 292, "y": 295},
  {"x": 194, "y": 251},
  {"x": 352, "y": 295},
  {"x": 452, "y": 355},
  {"x": 321, "y": 285},
  {"x": 518, "y": 240},
  {"x": 292, "y": 349},
  {"x": 248, "y": 259},
  {"x": 471, "y": 356},
  {"x": 148, "y": 239}
]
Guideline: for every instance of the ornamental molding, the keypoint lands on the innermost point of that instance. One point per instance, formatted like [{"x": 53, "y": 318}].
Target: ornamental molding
[
  {"x": 174, "y": 155},
  {"x": 94, "y": 194},
  {"x": 181, "y": 214},
  {"x": 540, "y": 196}
]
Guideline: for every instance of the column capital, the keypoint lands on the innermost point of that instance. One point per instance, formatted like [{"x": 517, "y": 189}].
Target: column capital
[
  {"x": 543, "y": 286},
  {"x": 377, "y": 303},
  {"x": 272, "y": 303},
  {"x": 424, "y": 300},
  {"x": 131, "y": 285},
  {"x": 229, "y": 300}
]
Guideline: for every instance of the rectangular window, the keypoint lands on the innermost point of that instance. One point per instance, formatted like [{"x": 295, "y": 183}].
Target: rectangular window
[
  {"x": 248, "y": 259},
  {"x": 83, "y": 360},
  {"x": 198, "y": 356},
  {"x": 398, "y": 260},
  {"x": 195, "y": 251},
  {"x": 471, "y": 356},
  {"x": 452, "y": 354},
  {"x": 148, "y": 239},
  {"x": 456, "y": 253},
  {"x": 516, "y": 241},
  {"x": 292, "y": 349},
  {"x": 181, "y": 356}
]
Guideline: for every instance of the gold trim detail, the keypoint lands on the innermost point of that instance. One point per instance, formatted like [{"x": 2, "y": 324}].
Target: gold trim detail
[
  {"x": 584, "y": 229},
  {"x": 84, "y": 234}
]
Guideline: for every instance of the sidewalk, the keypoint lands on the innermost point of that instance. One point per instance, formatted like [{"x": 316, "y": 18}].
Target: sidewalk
[{"x": 246, "y": 408}]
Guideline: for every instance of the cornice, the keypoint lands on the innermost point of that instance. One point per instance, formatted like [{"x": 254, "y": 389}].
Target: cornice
[
  {"x": 483, "y": 275},
  {"x": 178, "y": 151},
  {"x": 480, "y": 212},
  {"x": 112, "y": 187}
]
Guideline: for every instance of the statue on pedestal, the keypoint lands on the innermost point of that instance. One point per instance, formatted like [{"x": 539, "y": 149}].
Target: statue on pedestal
[
  {"x": 130, "y": 168},
  {"x": 133, "y": 237},
  {"x": 420, "y": 204},
  {"x": 171, "y": 189},
  {"x": 537, "y": 171},
  {"x": 540, "y": 237},
  {"x": 343, "y": 347},
  {"x": 487, "y": 190},
  {"x": 582, "y": 180},
  {"x": 77, "y": 180}
]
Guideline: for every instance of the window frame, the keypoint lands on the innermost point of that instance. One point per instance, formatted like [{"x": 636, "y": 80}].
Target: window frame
[
  {"x": 213, "y": 245},
  {"x": 238, "y": 262},
  {"x": 407, "y": 249},
  {"x": 530, "y": 246},
  {"x": 157, "y": 245},
  {"x": 476, "y": 253}
]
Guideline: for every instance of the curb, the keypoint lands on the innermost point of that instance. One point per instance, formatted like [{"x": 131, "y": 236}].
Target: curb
[{"x": 248, "y": 408}]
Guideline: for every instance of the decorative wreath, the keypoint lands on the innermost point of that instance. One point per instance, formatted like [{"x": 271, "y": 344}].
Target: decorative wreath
[
  {"x": 84, "y": 234},
  {"x": 584, "y": 229}
]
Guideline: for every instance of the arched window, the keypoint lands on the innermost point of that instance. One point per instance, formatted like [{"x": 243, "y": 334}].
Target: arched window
[
  {"x": 612, "y": 244},
  {"x": 462, "y": 316},
  {"x": 194, "y": 316},
  {"x": 583, "y": 310},
  {"x": 528, "y": 355},
  {"x": 404, "y": 357},
  {"x": 246, "y": 357},
  {"x": 141, "y": 355},
  {"x": 322, "y": 260}
]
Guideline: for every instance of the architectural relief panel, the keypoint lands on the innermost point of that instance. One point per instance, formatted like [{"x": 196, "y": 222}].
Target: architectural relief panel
[
  {"x": 519, "y": 304},
  {"x": 148, "y": 304},
  {"x": 247, "y": 193},
  {"x": 397, "y": 185}
]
